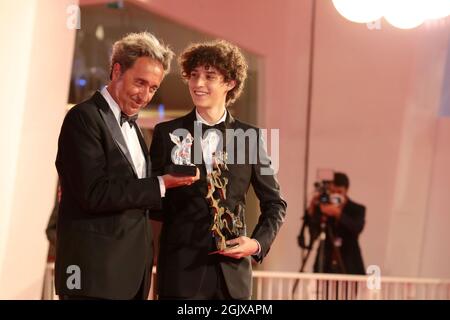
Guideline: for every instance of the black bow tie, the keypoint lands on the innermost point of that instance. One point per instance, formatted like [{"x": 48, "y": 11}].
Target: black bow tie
[
  {"x": 130, "y": 119},
  {"x": 219, "y": 126}
]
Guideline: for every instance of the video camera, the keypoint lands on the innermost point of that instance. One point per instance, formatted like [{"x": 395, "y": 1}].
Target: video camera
[
  {"x": 322, "y": 187},
  {"x": 325, "y": 195}
]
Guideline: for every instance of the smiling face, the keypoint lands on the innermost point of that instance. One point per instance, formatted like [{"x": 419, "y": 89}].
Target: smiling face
[
  {"x": 207, "y": 87},
  {"x": 134, "y": 88}
]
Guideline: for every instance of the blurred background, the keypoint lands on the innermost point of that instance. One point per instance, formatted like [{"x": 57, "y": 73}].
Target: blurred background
[{"x": 366, "y": 94}]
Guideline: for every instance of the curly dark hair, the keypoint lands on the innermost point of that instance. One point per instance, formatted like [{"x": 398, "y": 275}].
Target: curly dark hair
[{"x": 220, "y": 54}]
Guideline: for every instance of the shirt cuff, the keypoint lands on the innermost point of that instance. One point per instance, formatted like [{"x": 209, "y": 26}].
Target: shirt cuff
[
  {"x": 259, "y": 249},
  {"x": 162, "y": 186}
]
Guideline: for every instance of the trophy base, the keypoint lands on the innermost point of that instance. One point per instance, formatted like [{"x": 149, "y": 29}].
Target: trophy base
[{"x": 181, "y": 170}]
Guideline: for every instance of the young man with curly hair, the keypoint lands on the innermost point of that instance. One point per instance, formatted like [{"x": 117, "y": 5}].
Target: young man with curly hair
[{"x": 215, "y": 73}]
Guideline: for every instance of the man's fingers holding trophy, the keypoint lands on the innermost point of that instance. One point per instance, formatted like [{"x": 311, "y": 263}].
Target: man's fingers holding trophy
[
  {"x": 191, "y": 180},
  {"x": 240, "y": 247},
  {"x": 173, "y": 181}
]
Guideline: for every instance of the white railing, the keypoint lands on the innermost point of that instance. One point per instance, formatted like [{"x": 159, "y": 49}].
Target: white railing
[
  {"x": 269, "y": 285},
  {"x": 313, "y": 286}
]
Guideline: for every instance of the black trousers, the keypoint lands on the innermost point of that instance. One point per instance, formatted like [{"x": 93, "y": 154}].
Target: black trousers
[{"x": 212, "y": 286}]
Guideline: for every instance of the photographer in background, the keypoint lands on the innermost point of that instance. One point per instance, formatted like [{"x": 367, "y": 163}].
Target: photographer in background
[{"x": 338, "y": 221}]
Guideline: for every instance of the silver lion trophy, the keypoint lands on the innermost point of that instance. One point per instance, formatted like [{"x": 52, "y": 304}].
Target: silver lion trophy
[{"x": 181, "y": 157}]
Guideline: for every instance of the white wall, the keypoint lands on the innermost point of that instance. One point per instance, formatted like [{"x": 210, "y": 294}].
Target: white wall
[
  {"x": 37, "y": 50},
  {"x": 435, "y": 255},
  {"x": 418, "y": 148},
  {"x": 12, "y": 99},
  {"x": 435, "y": 258}
]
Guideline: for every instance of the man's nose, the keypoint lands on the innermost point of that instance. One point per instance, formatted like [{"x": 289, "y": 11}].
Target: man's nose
[{"x": 199, "y": 81}]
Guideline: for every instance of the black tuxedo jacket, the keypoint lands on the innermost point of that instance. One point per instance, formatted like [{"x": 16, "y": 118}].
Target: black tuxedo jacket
[
  {"x": 103, "y": 224},
  {"x": 186, "y": 237}
]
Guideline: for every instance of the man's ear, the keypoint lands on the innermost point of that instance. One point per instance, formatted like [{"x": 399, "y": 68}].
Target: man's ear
[
  {"x": 231, "y": 84},
  {"x": 117, "y": 71}
]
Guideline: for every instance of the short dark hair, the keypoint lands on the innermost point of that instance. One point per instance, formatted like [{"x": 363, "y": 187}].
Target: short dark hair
[
  {"x": 226, "y": 57},
  {"x": 341, "y": 180}
]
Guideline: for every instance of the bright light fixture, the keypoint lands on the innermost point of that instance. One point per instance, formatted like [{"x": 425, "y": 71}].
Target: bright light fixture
[
  {"x": 361, "y": 11},
  {"x": 436, "y": 9},
  {"x": 404, "y": 14}
]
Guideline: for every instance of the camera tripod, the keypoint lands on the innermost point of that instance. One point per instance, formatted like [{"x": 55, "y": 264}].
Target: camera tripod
[
  {"x": 336, "y": 264},
  {"x": 325, "y": 233}
]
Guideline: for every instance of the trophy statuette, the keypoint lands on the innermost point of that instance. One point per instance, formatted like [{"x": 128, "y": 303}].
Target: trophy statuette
[{"x": 181, "y": 157}]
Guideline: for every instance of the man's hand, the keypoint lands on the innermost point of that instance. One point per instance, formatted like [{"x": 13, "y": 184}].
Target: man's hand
[
  {"x": 245, "y": 247},
  {"x": 331, "y": 210},
  {"x": 171, "y": 181}
]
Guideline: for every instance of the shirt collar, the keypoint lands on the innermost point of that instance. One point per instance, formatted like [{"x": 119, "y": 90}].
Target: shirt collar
[
  {"x": 200, "y": 119},
  {"x": 112, "y": 103}
]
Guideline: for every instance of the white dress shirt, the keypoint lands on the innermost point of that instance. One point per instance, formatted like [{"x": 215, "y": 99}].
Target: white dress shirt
[
  {"x": 211, "y": 141},
  {"x": 132, "y": 141}
]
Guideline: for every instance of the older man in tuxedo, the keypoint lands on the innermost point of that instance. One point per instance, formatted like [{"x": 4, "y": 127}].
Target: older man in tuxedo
[{"x": 104, "y": 239}]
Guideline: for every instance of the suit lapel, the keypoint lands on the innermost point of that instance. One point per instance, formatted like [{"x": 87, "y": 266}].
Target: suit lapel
[{"x": 113, "y": 127}]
